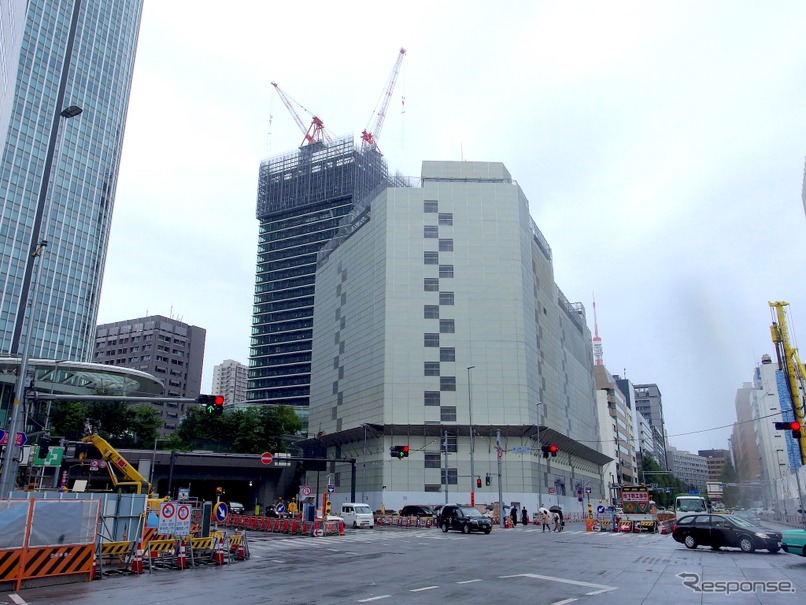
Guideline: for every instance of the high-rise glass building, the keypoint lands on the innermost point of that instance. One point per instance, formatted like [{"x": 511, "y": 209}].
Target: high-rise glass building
[
  {"x": 73, "y": 53},
  {"x": 302, "y": 196}
]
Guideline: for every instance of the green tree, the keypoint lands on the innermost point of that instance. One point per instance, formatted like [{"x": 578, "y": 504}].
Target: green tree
[{"x": 731, "y": 496}]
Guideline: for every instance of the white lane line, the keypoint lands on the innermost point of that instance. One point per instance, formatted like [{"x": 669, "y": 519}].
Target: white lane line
[
  {"x": 423, "y": 588},
  {"x": 590, "y": 594},
  {"x": 603, "y": 587},
  {"x": 469, "y": 581},
  {"x": 383, "y": 596},
  {"x": 563, "y": 602},
  {"x": 277, "y": 561},
  {"x": 17, "y": 599}
]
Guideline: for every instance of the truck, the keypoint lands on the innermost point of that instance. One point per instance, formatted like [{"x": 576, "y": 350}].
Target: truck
[
  {"x": 637, "y": 507},
  {"x": 686, "y": 504}
]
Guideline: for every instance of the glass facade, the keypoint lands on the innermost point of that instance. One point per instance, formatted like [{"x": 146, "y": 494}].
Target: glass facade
[
  {"x": 302, "y": 199},
  {"x": 77, "y": 211}
]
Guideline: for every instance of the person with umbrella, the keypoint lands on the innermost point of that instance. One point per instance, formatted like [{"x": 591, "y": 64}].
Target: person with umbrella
[{"x": 544, "y": 518}]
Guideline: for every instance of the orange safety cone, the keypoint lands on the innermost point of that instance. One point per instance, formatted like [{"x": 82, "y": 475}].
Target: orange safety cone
[
  {"x": 181, "y": 558},
  {"x": 137, "y": 562},
  {"x": 218, "y": 555},
  {"x": 341, "y": 528}
]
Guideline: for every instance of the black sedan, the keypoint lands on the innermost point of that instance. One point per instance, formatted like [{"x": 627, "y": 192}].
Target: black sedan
[{"x": 717, "y": 531}]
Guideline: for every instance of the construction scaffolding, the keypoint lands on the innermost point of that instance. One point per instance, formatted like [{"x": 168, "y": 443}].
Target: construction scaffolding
[{"x": 318, "y": 172}]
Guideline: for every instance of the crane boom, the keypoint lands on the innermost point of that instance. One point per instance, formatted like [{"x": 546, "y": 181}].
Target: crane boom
[
  {"x": 315, "y": 132},
  {"x": 789, "y": 363},
  {"x": 369, "y": 137},
  {"x": 114, "y": 459}
]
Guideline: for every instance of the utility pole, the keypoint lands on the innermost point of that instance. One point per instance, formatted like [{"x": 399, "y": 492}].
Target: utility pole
[
  {"x": 445, "y": 466},
  {"x": 500, "y": 489}
]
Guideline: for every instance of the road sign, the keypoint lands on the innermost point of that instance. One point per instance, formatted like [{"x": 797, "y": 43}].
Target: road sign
[
  {"x": 266, "y": 457},
  {"x": 331, "y": 488},
  {"x": 600, "y": 509},
  {"x": 182, "y": 520},
  {"x": 521, "y": 449},
  {"x": 280, "y": 508},
  {"x": 93, "y": 465},
  {"x": 306, "y": 491},
  {"x": 167, "y": 522},
  {"x": 220, "y": 512},
  {"x": 551, "y": 491},
  {"x": 587, "y": 490},
  {"x": 21, "y": 439},
  {"x": 52, "y": 458}
]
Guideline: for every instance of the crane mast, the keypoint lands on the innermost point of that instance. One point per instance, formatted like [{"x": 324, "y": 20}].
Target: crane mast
[
  {"x": 370, "y": 136},
  {"x": 789, "y": 363},
  {"x": 315, "y": 132}
]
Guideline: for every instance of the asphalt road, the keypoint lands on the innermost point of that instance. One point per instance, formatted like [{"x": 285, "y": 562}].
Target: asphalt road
[{"x": 424, "y": 566}]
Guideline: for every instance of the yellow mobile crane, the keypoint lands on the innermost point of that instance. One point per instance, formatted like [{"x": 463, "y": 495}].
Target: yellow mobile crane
[
  {"x": 789, "y": 363},
  {"x": 133, "y": 479}
]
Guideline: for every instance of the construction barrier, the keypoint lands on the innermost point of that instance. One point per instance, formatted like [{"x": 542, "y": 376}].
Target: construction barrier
[
  {"x": 47, "y": 538},
  {"x": 161, "y": 553},
  {"x": 115, "y": 555}
]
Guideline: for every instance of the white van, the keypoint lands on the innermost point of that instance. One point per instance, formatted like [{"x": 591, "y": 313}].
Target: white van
[{"x": 356, "y": 514}]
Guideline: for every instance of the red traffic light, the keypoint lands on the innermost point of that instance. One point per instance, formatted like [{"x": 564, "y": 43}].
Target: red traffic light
[
  {"x": 405, "y": 450},
  {"x": 794, "y": 425},
  {"x": 553, "y": 450},
  {"x": 478, "y": 482}
]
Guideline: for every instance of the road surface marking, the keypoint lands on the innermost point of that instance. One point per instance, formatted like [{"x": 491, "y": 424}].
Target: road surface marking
[
  {"x": 603, "y": 587},
  {"x": 17, "y": 599},
  {"x": 563, "y": 602},
  {"x": 469, "y": 581},
  {"x": 423, "y": 588},
  {"x": 383, "y": 596}
]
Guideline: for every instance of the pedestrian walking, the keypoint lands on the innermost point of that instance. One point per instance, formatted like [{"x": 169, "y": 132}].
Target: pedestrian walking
[
  {"x": 556, "y": 521},
  {"x": 544, "y": 518},
  {"x": 514, "y": 514},
  {"x": 524, "y": 516}
]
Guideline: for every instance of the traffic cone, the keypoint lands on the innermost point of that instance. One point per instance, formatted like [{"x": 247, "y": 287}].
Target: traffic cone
[
  {"x": 137, "y": 562},
  {"x": 341, "y": 528},
  {"x": 181, "y": 558},
  {"x": 218, "y": 555}
]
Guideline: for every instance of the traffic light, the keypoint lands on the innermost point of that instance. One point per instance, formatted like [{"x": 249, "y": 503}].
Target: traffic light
[
  {"x": 487, "y": 479},
  {"x": 793, "y": 426},
  {"x": 549, "y": 450},
  {"x": 478, "y": 481},
  {"x": 44, "y": 447},
  {"x": 219, "y": 491},
  {"x": 327, "y": 507},
  {"x": 214, "y": 404},
  {"x": 399, "y": 451},
  {"x": 553, "y": 450}
]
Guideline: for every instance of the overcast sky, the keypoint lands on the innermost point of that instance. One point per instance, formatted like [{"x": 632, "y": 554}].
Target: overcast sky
[{"x": 661, "y": 146}]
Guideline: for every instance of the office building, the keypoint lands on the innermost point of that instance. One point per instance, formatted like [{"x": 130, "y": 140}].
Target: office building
[
  {"x": 437, "y": 317},
  {"x": 615, "y": 422},
  {"x": 94, "y": 49},
  {"x": 229, "y": 380},
  {"x": 302, "y": 196},
  {"x": 649, "y": 402},
  {"x": 691, "y": 469},
  {"x": 166, "y": 348},
  {"x": 12, "y": 29}
]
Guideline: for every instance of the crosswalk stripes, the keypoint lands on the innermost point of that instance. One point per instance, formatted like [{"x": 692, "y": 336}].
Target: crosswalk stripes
[{"x": 273, "y": 543}]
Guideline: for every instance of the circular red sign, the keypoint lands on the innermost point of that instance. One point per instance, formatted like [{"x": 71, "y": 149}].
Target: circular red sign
[{"x": 266, "y": 457}]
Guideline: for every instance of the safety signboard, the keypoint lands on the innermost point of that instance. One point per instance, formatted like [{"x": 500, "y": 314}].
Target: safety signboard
[
  {"x": 167, "y": 523},
  {"x": 306, "y": 491},
  {"x": 21, "y": 439},
  {"x": 182, "y": 520}
]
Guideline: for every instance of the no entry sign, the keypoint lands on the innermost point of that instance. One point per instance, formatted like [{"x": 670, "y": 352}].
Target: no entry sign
[{"x": 266, "y": 457}]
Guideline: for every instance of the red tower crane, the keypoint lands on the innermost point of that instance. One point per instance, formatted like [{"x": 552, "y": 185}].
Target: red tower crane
[
  {"x": 316, "y": 131},
  {"x": 369, "y": 137}
]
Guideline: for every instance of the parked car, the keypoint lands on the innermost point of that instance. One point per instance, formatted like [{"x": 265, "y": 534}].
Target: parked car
[
  {"x": 357, "y": 514},
  {"x": 416, "y": 510},
  {"x": 721, "y": 530},
  {"x": 793, "y": 541},
  {"x": 464, "y": 519}
]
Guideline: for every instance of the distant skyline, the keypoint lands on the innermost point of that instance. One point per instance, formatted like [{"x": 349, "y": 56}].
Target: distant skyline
[{"x": 661, "y": 146}]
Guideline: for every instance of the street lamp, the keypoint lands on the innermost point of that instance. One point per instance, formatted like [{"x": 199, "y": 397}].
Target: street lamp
[
  {"x": 470, "y": 421},
  {"x": 8, "y": 477}
]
